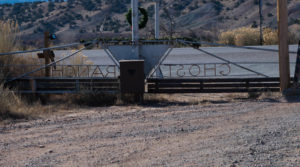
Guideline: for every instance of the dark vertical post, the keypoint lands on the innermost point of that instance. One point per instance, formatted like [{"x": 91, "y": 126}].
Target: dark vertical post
[
  {"x": 284, "y": 64},
  {"x": 261, "y": 21},
  {"x": 297, "y": 68},
  {"x": 47, "y": 54}
]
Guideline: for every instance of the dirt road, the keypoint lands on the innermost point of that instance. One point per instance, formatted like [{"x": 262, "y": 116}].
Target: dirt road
[{"x": 239, "y": 133}]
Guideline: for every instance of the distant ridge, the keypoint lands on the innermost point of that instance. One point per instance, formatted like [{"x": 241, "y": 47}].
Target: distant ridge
[
  {"x": 19, "y": 1},
  {"x": 85, "y": 19}
]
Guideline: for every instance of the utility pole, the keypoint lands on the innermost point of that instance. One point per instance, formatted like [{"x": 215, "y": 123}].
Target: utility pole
[
  {"x": 157, "y": 19},
  {"x": 284, "y": 66},
  {"x": 135, "y": 28},
  {"x": 47, "y": 53},
  {"x": 261, "y": 21}
]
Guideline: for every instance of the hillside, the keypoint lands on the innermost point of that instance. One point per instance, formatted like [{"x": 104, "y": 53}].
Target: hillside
[{"x": 204, "y": 19}]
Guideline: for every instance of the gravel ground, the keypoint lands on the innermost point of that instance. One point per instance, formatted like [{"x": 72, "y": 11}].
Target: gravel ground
[{"x": 222, "y": 133}]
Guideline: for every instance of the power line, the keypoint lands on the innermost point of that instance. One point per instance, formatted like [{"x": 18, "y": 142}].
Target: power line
[
  {"x": 42, "y": 49},
  {"x": 48, "y": 65},
  {"x": 234, "y": 46},
  {"x": 208, "y": 53}
]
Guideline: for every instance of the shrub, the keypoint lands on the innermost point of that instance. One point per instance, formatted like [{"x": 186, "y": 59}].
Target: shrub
[
  {"x": 11, "y": 107},
  {"x": 8, "y": 38},
  {"x": 251, "y": 36},
  {"x": 247, "y": 36},
  {"x": 241, "y": 37},
  {"x": 8, "y": 41},
  {"x": 227, "y": 38},
  {"x": 270, "y": 36}
]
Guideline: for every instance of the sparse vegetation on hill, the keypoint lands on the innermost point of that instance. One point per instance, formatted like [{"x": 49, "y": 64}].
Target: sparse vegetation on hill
[{"x": 83, "y": 18}]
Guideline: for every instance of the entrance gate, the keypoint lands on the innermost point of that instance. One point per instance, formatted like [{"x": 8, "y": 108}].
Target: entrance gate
[{"x": 222, "y": 76}]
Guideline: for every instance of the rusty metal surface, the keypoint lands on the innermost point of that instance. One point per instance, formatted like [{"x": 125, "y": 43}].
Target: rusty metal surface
[{"x": 132, "y": 77}]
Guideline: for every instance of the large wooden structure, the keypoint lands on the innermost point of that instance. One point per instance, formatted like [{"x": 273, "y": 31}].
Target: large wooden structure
[{"x": 284, "y": 66}]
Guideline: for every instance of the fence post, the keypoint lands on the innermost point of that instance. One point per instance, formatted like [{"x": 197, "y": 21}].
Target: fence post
[
  {"x": 297, "y": 68},
  {"x": 132, "y": 80}
]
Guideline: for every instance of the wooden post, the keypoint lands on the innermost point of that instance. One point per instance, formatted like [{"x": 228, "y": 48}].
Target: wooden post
[
  {"x": 297, "y": 69},
  {"x": 47, "y": 53},
  {"x": 284, "y": 66},
  {"x": 261, "y": 22}
]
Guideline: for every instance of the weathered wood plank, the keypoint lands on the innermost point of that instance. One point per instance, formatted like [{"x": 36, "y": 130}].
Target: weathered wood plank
[
  {"x": 220, "y": 85},
  {"x": 212, "y": 90},
  {"x": 213, "y": 80}
]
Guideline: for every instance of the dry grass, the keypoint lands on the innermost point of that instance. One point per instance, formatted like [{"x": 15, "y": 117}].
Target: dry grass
[
  {"x": 193, "y": 99},
  {"x": 243, "y": 36},
  {"x": 12, "y": 107},
  {"x": 246, "y": 36},
  {"x": 10, "y": 104},
  {"x": 208, "y": 98},
  {"x": 8, "y": 35},
  {"x": 270, "y": 36},
  {"x": 8, "y": 42}
]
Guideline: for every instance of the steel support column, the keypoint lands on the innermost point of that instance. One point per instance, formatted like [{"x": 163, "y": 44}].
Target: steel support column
[
  {"x": 135, "y": 28},
  {"x": 157, "y": 19}
]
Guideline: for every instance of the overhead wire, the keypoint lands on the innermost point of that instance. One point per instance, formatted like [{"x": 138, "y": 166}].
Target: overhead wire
[
  {"x": 50, "y": 64},
  {"x": 220, "y": 58},
  {"x": 234, "y": 46},
  {"x": 43, "y": 49}
]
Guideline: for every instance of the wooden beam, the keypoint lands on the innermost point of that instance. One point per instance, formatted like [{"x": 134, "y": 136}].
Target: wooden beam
[
  {"x": 284, "y": 66},
  {"x": 297, "y": 69},
  {"x": 47, "y": 54}
]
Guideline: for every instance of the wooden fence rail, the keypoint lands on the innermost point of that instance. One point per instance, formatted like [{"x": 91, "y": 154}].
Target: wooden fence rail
[
  {"x": 65, "y": 85},
  {"x": 228, "y": 85},
  {"x": 154, "y": 85}
]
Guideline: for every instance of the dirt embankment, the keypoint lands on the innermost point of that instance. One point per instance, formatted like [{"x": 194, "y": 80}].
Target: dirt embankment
[{"x": 239, "y": 133}]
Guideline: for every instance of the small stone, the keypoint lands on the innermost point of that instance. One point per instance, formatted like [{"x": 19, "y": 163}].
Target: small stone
[{"x": 41, "y": 146}]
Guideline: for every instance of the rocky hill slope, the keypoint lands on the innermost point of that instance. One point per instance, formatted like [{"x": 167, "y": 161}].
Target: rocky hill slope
[{"x": 75, "y": 19}]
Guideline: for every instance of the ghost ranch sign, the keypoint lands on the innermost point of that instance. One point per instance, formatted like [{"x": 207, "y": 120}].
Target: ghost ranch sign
[
  {"x": 169, "y": 70},
  {"x": 196, "y": 70},
  {"x": 99, "y": 71}
]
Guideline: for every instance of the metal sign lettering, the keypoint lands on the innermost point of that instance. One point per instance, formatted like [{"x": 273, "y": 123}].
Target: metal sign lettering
[
  {"x": 196, "y": 70},
  {"x": 101, "y": 71}
]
